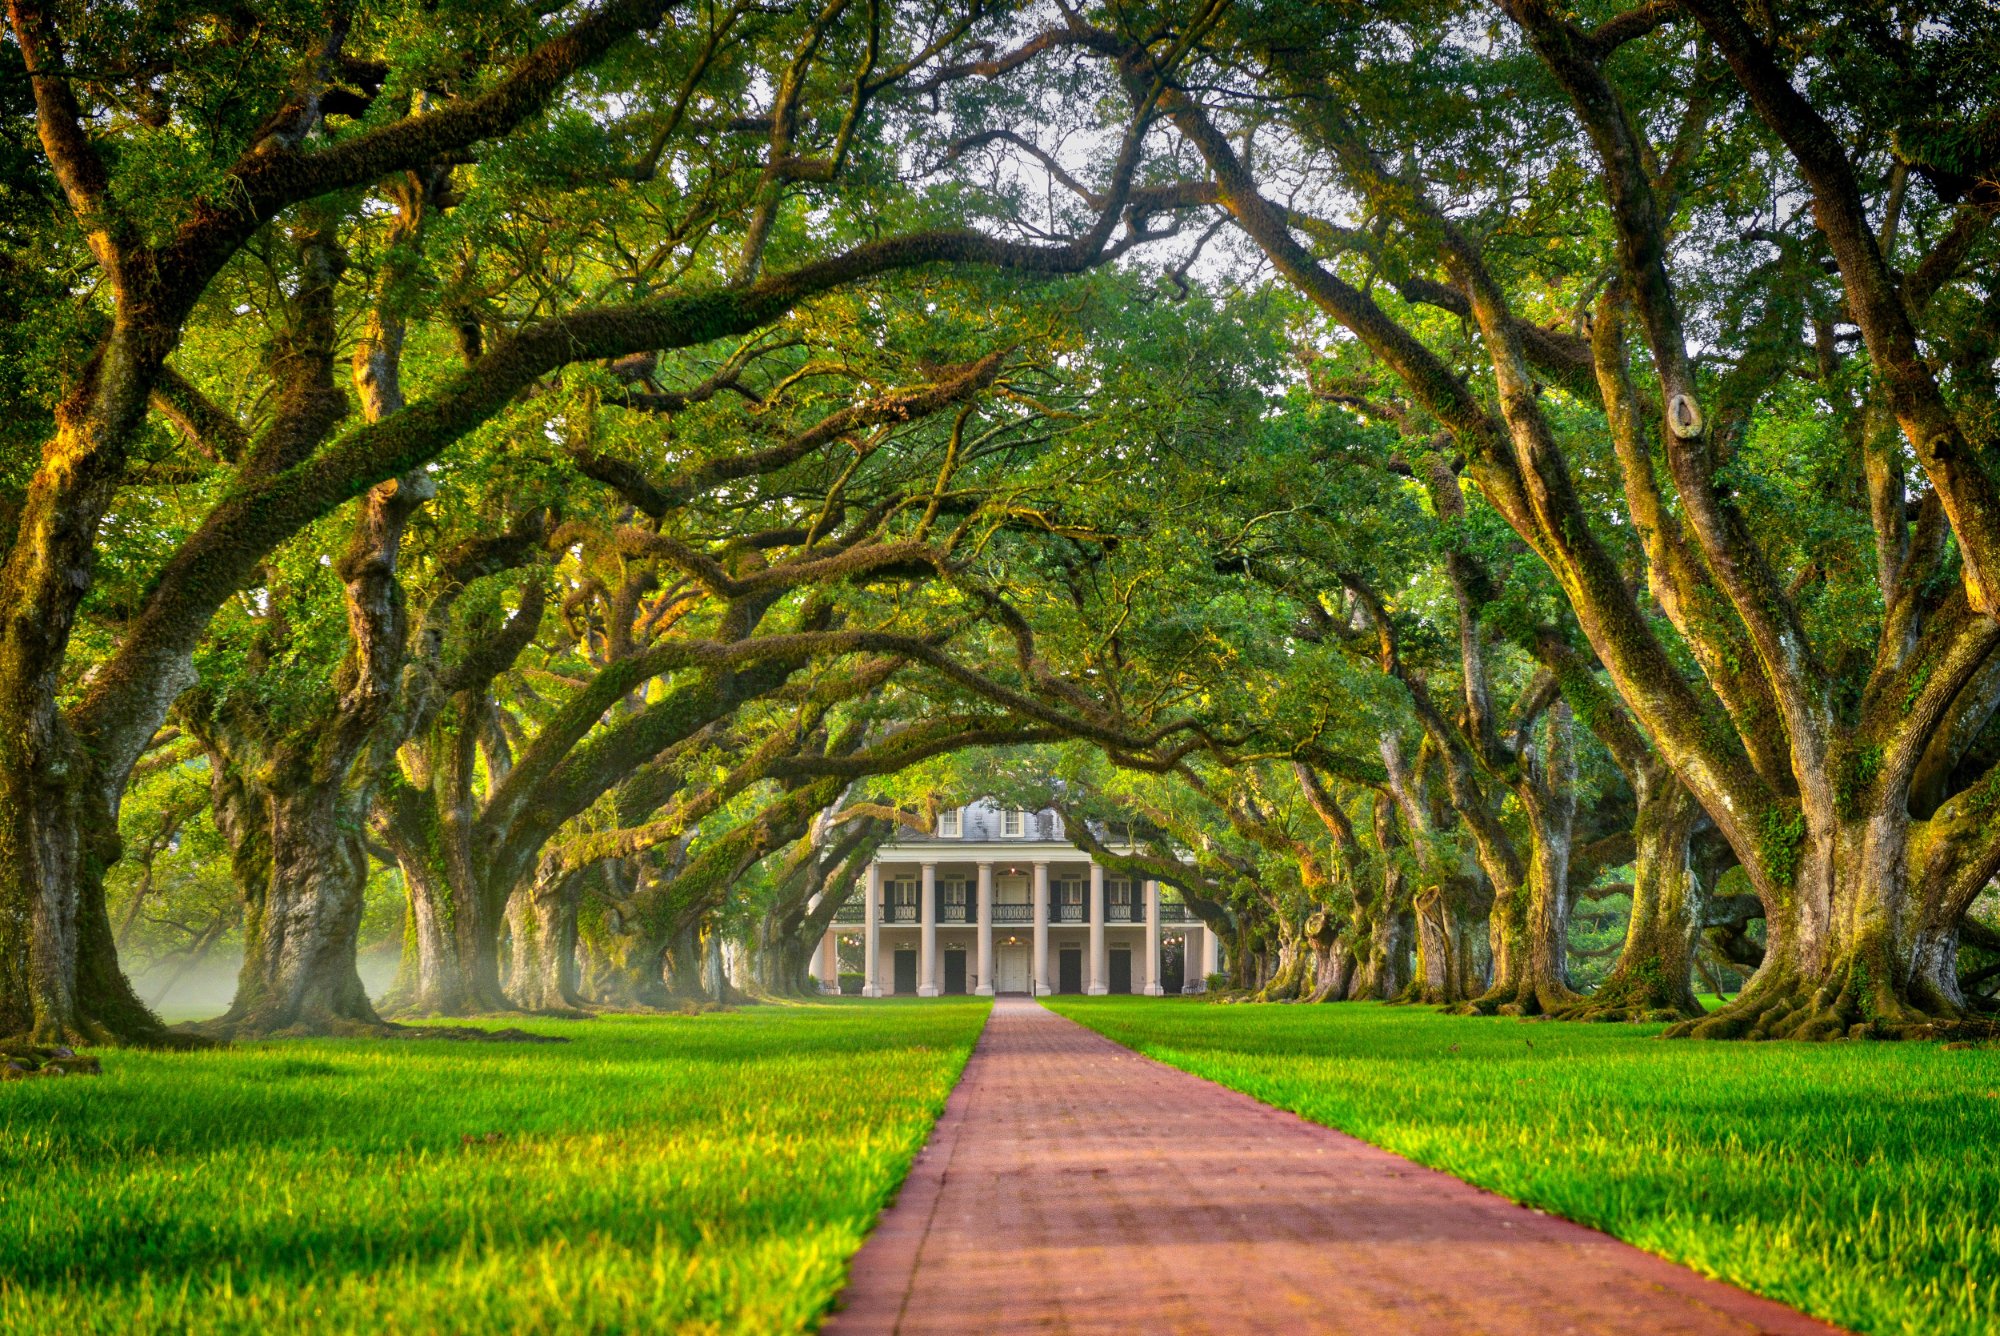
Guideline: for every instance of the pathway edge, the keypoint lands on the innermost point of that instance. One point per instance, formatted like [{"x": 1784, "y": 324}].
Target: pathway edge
[
  {"x": 1725, "y": 1296},
  {"x": 905, "y": 1218}
]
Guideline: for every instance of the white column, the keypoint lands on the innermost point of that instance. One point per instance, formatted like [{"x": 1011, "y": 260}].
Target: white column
[
  {"x": 1041, "y": 984},
  {"x": 1211, "y": 952},
  {"x": 985, "y": 911},
  {"x": 927, "y": 961},
  {"x": 829, "y": 961},
  {"x": 1100, "y": 966},
  {"x": 871, "y": 934},
  {"x": 1153, "y": 988}
]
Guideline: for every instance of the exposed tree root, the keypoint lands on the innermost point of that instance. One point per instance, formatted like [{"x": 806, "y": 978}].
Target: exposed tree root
[
  {"x": 1293, "y": 978},
  {"x": 1417, "y": 993},
  {"x": 1631, "y": 997},
  {"x": 90, "y": 1036},
  {"x": 471, "y": 1035},
  {"x": 1525, "y": 998},
  {"x": 215, "y": 1032},
  {"x": 22, "y": 1062},
  {"x": 1854, "y": 1002}
]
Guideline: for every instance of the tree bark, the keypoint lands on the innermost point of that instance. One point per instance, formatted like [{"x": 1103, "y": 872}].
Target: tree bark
[
  {"x": 1448, "y": 972},
  {"x": 1385, "y": 922},
  {"x": 1653, "y": 980},
  {"x": 541, "y": 922},
  {"x": 302, "y": 870},
  {"x": 1862, "y": 947},
  {"x": 428, "y": 982},
  {"x": 1530, "y": 921}
]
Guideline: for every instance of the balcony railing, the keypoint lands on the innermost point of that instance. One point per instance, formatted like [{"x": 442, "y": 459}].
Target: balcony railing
[{"x": 959, "y": 915}]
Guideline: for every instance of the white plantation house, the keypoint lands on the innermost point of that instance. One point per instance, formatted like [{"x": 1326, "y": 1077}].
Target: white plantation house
[{"x": 996, "y": 901}]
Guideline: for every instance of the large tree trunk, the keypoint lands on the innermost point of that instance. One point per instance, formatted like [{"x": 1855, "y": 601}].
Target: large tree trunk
[
  {"x": 714, "y": 972},
  {"x": 1292, "y": 975},
  {"x": 630, "y": 947},
  {"x": 59, "y": 975},
  {"x": 303, "y": 871},
  {"x": 481, "y": 917},
  {"x": 1448, "y": 972},
  {"x": 60, "y": 981},
  {"x": 1653, "y": 980},
  {"x": 1391, "y": 942},
  {"x": 455, "y": 922},
  {"x": 1865, "y": 945},
  {"x": 681, "y": 955},
  {"x": 429, "y": 981},
  {"x": 541, "y": 921},
  {"x": 452, "y": 953},
  {"x": 783, "y": 958},
  {"x": 1333, "y": 959},
  {"x": 1530, "y": 921},
  {"x": 629, "y": 970},
  {"x": 294, "y": 804},
  {"x": 1383, "y": 971}
]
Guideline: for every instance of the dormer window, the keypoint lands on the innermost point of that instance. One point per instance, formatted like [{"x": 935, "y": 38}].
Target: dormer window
[
  {"x": 1013, "y": 822},
  {"x": 950, "y": 825}
]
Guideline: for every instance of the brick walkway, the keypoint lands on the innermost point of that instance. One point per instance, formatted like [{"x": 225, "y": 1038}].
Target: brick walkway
[{"x": 1073, "y": 1186}]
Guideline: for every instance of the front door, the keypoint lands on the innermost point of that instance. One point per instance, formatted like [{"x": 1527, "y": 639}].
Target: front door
[
  {"x": 906, "y": 974},
  {"x": 954, "y": 971},
  {"x": 1069, "y": 970},
  {"x": 1121, "y": 971},
  {"x": 1173, "y": 968},
  {"x": 1013, "y": 970}
]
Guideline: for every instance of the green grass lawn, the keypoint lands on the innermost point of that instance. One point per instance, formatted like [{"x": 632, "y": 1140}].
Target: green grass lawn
[
  {"x": 1859, "y": 1182},
  {"x": 702, "y": 1173}
]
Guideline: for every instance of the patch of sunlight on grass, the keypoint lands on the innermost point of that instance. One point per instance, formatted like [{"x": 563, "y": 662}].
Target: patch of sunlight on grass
[
  {"x": 1858, "y": 1182},
  {"x": 705, "y": 1173}
]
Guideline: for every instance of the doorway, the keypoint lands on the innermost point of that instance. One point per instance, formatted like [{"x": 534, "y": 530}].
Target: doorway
[
  {"x": 1121, "y": 972},
  {"x": 954, "y": 972},
  {"x": 1069, "y": 970},
  {"x": 906, "y": 973},
  {"x": 1011, "y": 970},
  {"x": 1173, "y": 967}
]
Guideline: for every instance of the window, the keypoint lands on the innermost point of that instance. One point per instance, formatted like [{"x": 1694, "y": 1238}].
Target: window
[
  {"x": 950, "y": 825},
  {"x": 1070, "y": 891},
  {"x": 1121, "y": 892},
  {"x": 903, "y": 901},
  {"x": 955, "y": 902},
  {"x": 1013, "y": 822}
]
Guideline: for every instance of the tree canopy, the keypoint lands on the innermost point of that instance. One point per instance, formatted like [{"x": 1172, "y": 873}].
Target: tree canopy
[{"x": 1495, "y": 505}]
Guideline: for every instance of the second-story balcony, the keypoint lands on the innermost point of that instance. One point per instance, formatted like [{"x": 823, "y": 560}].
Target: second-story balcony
[{"x": 951, "y": 915}]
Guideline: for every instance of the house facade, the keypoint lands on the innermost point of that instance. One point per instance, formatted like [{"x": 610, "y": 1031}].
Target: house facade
[{"x": 996, "y": 901}]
